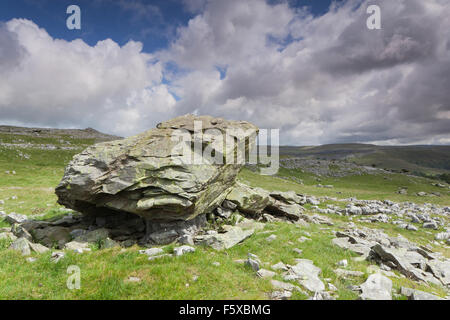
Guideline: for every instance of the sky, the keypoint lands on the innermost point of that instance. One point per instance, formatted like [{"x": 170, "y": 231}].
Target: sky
[{"x": 310, "y": 68}]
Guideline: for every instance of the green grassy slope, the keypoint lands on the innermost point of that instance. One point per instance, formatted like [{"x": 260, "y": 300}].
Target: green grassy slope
[
  {"x": 431, "y": 160},
  {"x": 104, "y": 272}
]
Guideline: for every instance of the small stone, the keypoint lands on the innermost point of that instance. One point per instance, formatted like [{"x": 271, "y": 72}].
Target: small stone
[
  {"x": 133, "y": 279},
  {"x": 179, "y": 251},
  {"x": 78, "y": 247},
  {"x": 186, "y": 239},
  {"x": 376, "y": 287},
  {"x": 56, "y": 256},
  {"x": 215, "y": 263},
  {"x": 152, "y": 251},
  {"x": 332, "y": 287},
  {"x": 343, "y": 263},
  {"x": 279, "y": 266},
  {"x": 271, "y": 238},
  {"x": 430, "y": 225},
  {"x": 21, "y": 245},
  {"x": 108, "y": 243},
  {"x": 303, "y": 239},
  {"x": 263, "y": 273},
  {"x": 348, "y": 273},
  {"x": 31, "y": 259},
  {"x": 38, "y": 248},
  {"x": 254, "y": 264},
  {"x": 151, "y": 258},
  {"x": 128, "y": 243},
  {"x": 16, "y": 218},
  {"x": 281, "y": 295}
]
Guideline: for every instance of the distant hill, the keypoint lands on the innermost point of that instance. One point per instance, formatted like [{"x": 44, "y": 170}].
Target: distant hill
[
  {"x": 419, "y": 159},
  {"x": 88, "y": 133}
]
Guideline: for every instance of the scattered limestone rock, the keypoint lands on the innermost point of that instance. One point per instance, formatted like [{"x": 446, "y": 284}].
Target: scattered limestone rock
[
  {"x": 263, "y": 273},
  {"x": 21, "y": 245},
  {"x": 281, "y": 295},
  {"x": 57, "y": 256},
  {"x": 308, "y": 275},
  {"x": 78, "y": 247},
  {"x": 413, "y": 294},
  {"x": 376, "y": 287},
  {"x": 221, "y": 241},
  {"x": 179, "y": 251},
  {"x": 16, "y": 218},
  {"x": 152, "y": 251}
]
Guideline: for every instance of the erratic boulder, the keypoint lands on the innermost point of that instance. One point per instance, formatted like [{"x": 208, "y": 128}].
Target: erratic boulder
[{"x": 154, "y": 175}]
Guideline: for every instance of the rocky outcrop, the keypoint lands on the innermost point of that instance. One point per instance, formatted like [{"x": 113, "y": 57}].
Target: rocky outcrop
[{"x": 148, "y": 175}]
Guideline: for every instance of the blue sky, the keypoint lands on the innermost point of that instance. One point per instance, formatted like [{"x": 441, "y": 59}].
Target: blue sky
[
  {"x": 318, "y": 75},
  {"x": 152, "y": 22}
]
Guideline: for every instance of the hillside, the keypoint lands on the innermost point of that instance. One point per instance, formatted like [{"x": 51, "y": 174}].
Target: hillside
[
  {"x": 419, "y": 160},
  {"x": 30, "y": 172},
  {"x": 22, "y": 135}
]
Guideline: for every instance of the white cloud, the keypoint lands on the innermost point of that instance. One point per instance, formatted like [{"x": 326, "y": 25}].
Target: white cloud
[
  {"x": 319, "y": 79},
  {"x": 60, "y": 83}
]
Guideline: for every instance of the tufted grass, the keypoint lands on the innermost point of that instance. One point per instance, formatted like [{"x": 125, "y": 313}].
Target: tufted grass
[{"x": 104, "y": 272}]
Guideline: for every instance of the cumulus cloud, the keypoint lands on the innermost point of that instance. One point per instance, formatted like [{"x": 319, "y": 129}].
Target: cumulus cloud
[
  {"x": 320, "y": 79},
  {"x": 53, "y": 82}
]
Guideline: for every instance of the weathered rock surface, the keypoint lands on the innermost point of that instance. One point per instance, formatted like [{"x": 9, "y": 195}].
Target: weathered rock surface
[
  {"x": 221, "y": 241},
  {"x": 413, "y": 294},
  {"x": 249, "y": 200},
  {"x": 376, "y": 287},
  {"x": 307, "y": 274},
  {"x": 147, "y": 175}
]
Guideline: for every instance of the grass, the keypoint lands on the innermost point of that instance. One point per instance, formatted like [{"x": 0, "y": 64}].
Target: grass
[{"x": 104, "y": 272}]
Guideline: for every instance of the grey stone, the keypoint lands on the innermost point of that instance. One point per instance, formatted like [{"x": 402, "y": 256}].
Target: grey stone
[
  {"x": 348, "y": 273},
  {"x": 179, "y": 251},
  {"x": 57, "y": 256},
  {"x": 413, "y": 294},
  {"x": 78, "y": 247},
  {"x": 285, "y": 286},
  {"x": 221, "y": 241},
  {"x": 186, "y": 239},
  {"x": 253, "y": 263},
  {"x": 249, "y": 200},
  {"x": 22, "y": 245},
  {"x": 93, "y": 236},
  {"x": 16, "y": 218},
  {"x": 146, "y": 174},
  {"x": 343, "y": 263},
  {"x": 108, "y": 243},
  {"x": 308, "y": 275},
  {"x": 430, "y": 225},
  {"x": 51, "y": 236},
  {"x": 263, "y": 273},
  {"x": 279, "y": 266},
  {"x": 152, "y": 251},
  {"x": 281, "y": 295},
  {"x": 376, "y": 287},
  {"x": 7, "y": 236},
  {"x": 38, "y": 248}
]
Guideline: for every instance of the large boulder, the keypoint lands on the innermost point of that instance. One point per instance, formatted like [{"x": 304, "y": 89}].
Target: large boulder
[
  {"x": 149, "y": 174},
  {"x": 249, "y": 200}
]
